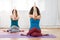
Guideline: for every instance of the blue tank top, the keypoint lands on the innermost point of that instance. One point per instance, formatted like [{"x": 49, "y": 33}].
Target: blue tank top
[
  {"x": 34, "y": 23},
  {"x": 14, "y": 23}
]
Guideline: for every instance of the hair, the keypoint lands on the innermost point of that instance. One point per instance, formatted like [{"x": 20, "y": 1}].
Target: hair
[
  {"x": 31, "y": 11},
  {"x": 15, "y": 12}
]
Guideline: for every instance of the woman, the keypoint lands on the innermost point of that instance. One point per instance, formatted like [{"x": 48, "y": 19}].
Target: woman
[
  {"x": 14, "y": 22},
  {"x": 35, "y": 17}
]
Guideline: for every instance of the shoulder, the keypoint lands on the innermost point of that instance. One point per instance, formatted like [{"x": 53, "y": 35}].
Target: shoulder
[{"x": 10, "y": 15}]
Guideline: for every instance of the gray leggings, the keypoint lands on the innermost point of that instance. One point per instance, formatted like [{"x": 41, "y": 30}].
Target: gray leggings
[{"x": 14, "y": 29}]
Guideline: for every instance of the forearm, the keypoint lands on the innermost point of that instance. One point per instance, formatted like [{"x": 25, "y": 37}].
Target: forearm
[
  {"x": 37, "y": 17},
  {"x": 31, "y": 16},
  {"x": 14, "y": 18}
]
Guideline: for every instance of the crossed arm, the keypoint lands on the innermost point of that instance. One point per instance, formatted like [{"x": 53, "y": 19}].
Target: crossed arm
[
  {"x": 35, "y": 17},
  {"x": 14, "y": 18}
]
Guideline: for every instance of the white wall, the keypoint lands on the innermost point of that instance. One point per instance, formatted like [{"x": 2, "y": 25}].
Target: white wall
[
  {"x": 58, "y": 12},
  {"x": 49, "y": 15},
  {"x": 51, "y": 12}
]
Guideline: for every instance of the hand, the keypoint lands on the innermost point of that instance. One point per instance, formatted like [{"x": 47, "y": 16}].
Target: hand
[{"x": 34, "y": 17}]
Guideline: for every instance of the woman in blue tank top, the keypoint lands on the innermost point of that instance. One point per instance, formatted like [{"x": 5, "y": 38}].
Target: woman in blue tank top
[
  {"x": 34, "y": 22},
  {"x": 35, "y": 17},
  {"x": 14, "y": 22}
]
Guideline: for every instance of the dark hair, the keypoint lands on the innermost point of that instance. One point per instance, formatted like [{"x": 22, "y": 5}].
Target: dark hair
[
  {"x": 15, "y": 12},
  {"x": 31, "y": 11}
]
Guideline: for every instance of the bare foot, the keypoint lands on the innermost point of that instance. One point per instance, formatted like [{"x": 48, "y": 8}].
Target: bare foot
[
  {"x": 21, "y": 30},
  {"x": 23, "y": 35},
  {"x": 4, "y": 31}
]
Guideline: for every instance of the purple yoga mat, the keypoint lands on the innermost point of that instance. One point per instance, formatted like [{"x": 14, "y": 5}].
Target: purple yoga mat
[{"x": 19, "y": 36}]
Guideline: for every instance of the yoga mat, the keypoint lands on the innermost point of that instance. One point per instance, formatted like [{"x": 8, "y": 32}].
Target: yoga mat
[{"x": 19, "y": 36}]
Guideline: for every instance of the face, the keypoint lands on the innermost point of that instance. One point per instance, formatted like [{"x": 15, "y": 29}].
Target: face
[{"x": 14, "y": 12}]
